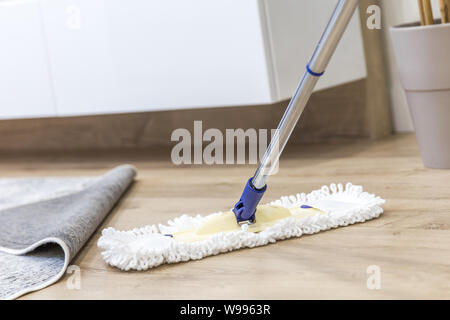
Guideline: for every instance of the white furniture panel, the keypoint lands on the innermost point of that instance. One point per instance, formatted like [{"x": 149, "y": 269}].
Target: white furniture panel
[
  {"x": 110, "y": 56},
  {"x": 25, "y": 88},
  {"x": 139, "y": 55}
]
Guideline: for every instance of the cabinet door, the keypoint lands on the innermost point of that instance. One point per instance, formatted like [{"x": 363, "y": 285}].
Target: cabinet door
[
  {"x": 25, "y": 87},
  {"x": 294, "y": 29},
  {"x": 85, "y": 79},
  {"x": 137, "y": 55}
]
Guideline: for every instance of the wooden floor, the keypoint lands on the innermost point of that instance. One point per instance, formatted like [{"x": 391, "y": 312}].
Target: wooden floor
[{"x": 410, "y": 243}]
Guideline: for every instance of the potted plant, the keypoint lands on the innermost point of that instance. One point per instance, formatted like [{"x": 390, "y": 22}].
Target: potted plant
[{"x": 422, "y": 51}]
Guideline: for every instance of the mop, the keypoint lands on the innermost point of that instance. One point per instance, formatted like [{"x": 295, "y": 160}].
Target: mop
[{"x": 249, "y": 224}]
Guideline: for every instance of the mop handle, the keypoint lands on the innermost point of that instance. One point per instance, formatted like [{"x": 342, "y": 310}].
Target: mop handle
[
  {"x": 316, "y": 67},
  {"x": 245, "y": 208}
]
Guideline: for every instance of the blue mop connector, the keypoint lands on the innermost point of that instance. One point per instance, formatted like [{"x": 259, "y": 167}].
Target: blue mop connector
[{"x": 245, "y": 208}]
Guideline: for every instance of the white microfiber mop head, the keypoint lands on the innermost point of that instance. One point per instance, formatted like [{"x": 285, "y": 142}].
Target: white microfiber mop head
[{"x": 151, "y": 246}]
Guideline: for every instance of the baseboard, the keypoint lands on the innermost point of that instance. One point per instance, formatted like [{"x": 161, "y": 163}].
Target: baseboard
[{"x": 337, "y": 113}]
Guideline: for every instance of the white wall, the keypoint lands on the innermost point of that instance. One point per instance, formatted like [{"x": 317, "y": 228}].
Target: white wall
[{"x": 397, "y": 12}]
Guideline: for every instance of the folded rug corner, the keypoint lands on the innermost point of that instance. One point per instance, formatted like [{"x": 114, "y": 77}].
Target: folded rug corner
[{"x": 44, "y": 222}]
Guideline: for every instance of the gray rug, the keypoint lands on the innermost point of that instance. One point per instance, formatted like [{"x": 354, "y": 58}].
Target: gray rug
[{"x": 44, "y": 222}]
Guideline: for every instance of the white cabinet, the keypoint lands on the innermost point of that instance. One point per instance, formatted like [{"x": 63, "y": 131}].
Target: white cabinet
[
  {"x": 25, "y": 85},
  {"x": 80, "y": 47},
  {"x": 133, "y": 55},
  {"x": 294, "y": 28},
  {"x": 108, "y": 56}
]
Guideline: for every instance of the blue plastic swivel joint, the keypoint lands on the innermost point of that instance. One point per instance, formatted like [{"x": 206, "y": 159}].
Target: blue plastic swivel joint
[{"x": 245, "y": 208}]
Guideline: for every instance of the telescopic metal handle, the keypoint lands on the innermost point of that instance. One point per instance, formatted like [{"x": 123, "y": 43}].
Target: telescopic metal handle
[{"x": 316, "y": 67}]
